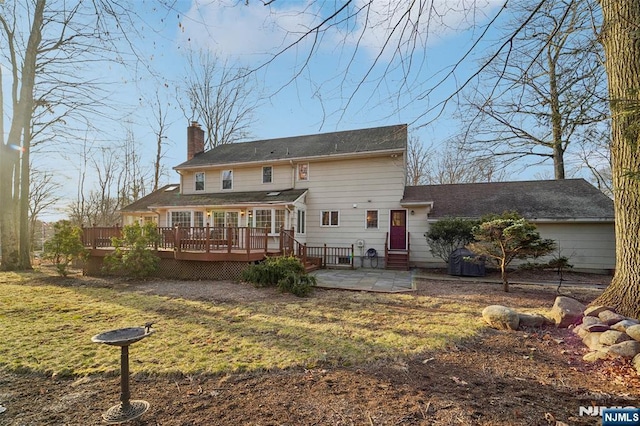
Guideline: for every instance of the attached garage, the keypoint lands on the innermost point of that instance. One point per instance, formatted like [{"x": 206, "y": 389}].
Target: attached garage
[{"x": 572, "y": 212}]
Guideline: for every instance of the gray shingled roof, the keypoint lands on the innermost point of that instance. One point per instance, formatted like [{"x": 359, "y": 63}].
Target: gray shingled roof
[
  {"x": 164, "y": 198},
  {"x": 318, "y": 145},
  {"x": 569, "y": 199}
]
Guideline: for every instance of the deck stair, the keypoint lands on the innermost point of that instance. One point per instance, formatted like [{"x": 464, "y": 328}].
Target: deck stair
[{"x": 397, "y": 260}]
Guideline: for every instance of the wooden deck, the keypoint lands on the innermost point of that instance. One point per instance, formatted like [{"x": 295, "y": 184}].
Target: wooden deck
[{"x": 207, "y": 244}]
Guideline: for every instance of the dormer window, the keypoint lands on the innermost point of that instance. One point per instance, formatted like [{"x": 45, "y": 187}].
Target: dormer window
[
  {"x": 227, "y": 179},
  {"x": 199, "y": 179},
  {"x": 267, "y": 174}
]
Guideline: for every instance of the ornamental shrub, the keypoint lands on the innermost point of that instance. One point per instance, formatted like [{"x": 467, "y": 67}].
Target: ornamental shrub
[
  {"x": 449, "y": 234},
  {"x": 501, "y": 239},
  {"x": 134, "y": 254},
  {"x": 285, "y": 272},
  {"x": 65, "y": 246}
]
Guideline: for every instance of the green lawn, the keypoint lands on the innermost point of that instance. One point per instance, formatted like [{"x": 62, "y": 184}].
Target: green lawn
[{"x": 48, "y": 328}]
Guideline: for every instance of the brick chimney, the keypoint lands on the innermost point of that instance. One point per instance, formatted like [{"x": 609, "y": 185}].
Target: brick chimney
[{"x": 195, "y": 140}]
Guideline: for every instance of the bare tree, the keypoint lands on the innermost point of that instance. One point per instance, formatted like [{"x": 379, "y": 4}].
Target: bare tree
[
  {"x": 42, "y": 196},
  {"x": 160, "y": 125},
  {"x": 222, "y": 98},
  {"x": 47, "y": 45},
  {"x": 453, "y": 164},
  {"x": 548, "y": 95},
  {"x": 418, "y": 161}
]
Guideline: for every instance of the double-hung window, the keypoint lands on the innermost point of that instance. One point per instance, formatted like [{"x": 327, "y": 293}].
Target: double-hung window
[
  {"x": 330, "y": 218},
  {"x": 302, "y": 221},
  {"x": 372, "y": 219},
  {"x": 199, "y": 178},
  {"x": 267, "y": 174},
  {"x": 227, "y": 179}
]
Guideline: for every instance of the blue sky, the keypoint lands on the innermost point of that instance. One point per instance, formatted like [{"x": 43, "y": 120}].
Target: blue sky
[{"x": 322, "y": 99}]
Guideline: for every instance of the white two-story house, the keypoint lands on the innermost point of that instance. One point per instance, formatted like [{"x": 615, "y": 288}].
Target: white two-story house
[
  {"x": 348, "y": 190},
  {"x": 335, "y": 189}
]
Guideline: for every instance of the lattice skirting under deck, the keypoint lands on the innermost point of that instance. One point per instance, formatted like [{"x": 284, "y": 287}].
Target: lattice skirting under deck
[{"x": 183, "y": 269}]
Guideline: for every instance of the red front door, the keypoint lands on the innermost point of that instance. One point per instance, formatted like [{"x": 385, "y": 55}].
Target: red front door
[{"x": 398, "y": 230}]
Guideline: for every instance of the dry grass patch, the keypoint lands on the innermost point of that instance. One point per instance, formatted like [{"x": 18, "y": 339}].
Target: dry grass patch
[{"x": 47, "y": 328}]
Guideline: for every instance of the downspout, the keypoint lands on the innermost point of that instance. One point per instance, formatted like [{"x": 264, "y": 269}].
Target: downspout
[{"x": 293, "y": 174}]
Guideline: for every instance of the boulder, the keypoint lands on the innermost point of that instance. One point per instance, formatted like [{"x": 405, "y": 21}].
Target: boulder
[
  {"x": 634, "y": 332},
  {"x": 592, "y": 341},
  {"x": 566, "y": 311},
  {"x": 610, "y": 317},
  {"x": 590, "y": 320},
  {"x": 594, "y": 311},
  {"x": 624, "y": 324},
  {"x": 501, "y": 317},
  {"x": 611, "y": 337},
  {"x": 628, "y": 349},
  {"x": 580, "y": 330},
  {"x": 596, "y": 355},
  {"x": 597, "y": 327},
  {"x": 636, "y": 363},
  {"x": 533, "y": 320}
]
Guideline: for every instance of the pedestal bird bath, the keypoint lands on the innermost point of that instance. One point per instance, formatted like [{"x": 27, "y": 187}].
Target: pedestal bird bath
[{"x": 123, "y": 337}]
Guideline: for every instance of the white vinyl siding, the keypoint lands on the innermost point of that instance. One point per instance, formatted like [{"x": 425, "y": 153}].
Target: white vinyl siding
[{"x": 352, "y": 187}]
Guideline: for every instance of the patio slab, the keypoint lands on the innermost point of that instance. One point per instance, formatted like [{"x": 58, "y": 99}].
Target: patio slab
[{"x": 382, "y": 281}]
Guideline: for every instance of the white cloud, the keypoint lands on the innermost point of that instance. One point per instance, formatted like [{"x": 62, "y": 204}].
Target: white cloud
[
  {"x": 231, "y": 28},
  {"x": 425, "y": 22}
]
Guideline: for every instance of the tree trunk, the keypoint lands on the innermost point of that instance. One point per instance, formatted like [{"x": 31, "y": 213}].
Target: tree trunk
[
  {"x": 622, "y": 54},
  {"x": 556, "y": 116},
  {"x": 14, "y": 189},
  {"x": 503, "y": 274},
  {"x": 25, "y": 240}
]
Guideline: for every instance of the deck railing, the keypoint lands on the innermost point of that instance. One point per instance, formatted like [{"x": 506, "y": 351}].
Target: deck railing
[
  {"x": 202, "y": 239},
  {"x": 333, "y": 256}
]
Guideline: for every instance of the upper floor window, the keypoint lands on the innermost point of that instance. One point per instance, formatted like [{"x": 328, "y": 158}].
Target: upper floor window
[
  {"x": 227, "y": 179},
  {"x": 200, "y": 181},
  {"x": 303, "y": 171},
  {"x": 330, "y": 218},
  {"x": 372, "y": 219},
  {"x": 267, "y": 174}
]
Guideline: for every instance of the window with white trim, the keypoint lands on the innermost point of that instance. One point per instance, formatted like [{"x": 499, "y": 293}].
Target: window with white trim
[
  {"x": 199, "y": 178},
  {"x": 198, "y": 219},
  {"x": 303, "y": 171},
  {"x": 302, "y": 221},
  {"x": 180, "y": 218},
  {"x": 227, "y": 179},
  {"x": 279, "y": 220},
  {"x": 329, "y": 218},
  {"x": 263, "y": 219},
  {"x": 371, "y": 220},
  {"x": 217, "y": 219},
  {"x": 267, "y": 174}
]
